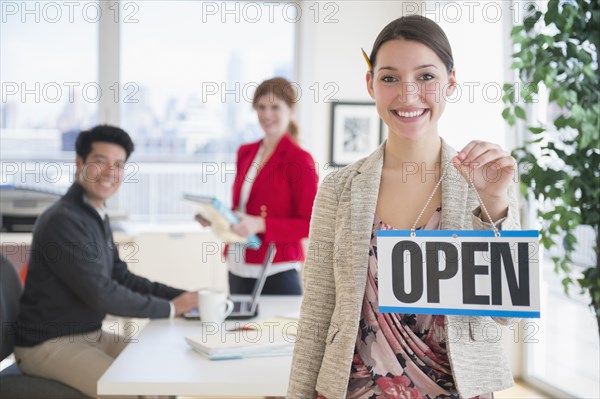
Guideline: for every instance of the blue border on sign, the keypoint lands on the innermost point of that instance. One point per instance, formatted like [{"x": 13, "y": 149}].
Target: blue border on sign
[
  {"x": 460, "y": 312},
  {"x": 458, "y": 233}
]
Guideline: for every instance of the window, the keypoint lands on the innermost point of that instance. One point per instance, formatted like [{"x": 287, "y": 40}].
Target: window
[
  {"x": 562, "y": 351},
  {"x": 49, "y": 87},
  {"x": 562, "y": 348},
  {"x": 191, "y": 81},
  {"x": 188, "y": 94},
  {"x": 188, "y": 70}
]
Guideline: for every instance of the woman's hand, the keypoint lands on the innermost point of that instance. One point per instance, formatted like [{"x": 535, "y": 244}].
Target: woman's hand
[
  {"x": 248, "y": 225},
  {"x": 201, "y": 220},
  {"x": 491, "y": 170}
]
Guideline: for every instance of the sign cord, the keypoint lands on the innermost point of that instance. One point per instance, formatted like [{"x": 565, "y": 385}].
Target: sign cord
[{"x": 414, "y": 227}]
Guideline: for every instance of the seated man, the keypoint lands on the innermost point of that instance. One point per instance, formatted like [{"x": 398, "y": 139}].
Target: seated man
[{"x": 75, "y": 275}]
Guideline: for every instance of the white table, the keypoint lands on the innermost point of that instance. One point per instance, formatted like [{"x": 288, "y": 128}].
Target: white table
[{"x": 162, "y": 363}]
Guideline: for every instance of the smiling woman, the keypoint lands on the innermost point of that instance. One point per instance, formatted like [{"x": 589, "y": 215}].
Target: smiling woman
[
  {"x": 375, "y": 353},
  {"x": 273, "y": 193},
  {"x": 411, "y": 84}
]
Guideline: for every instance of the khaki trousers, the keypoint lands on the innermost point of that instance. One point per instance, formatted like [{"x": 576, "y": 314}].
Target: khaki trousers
[{"x": 77, "y": 360}]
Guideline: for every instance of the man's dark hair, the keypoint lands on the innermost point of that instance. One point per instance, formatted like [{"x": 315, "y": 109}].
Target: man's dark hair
[{"x": 102, "y": 133}]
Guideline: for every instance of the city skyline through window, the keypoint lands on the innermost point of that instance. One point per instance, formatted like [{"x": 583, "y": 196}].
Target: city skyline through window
[
  {"x": 183, "y": 90},
  {"x": 191, "y": 85},
  {"x": 49, "y": 87}
]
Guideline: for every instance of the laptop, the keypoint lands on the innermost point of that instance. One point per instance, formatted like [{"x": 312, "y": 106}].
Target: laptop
[{"x": 246, "y": 306}]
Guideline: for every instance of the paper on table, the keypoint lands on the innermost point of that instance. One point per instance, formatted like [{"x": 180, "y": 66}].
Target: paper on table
[{"x": 273, "y": 337}]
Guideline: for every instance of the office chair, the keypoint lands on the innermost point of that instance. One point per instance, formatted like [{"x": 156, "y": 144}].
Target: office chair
[{"x": 13, "y": 383}]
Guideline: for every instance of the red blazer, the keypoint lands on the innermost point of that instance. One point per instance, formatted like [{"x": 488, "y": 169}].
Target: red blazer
[{"x": 282, "y": 193}]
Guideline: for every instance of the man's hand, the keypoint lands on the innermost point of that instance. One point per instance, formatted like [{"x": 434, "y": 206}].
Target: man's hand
[{"x": 185, "y": 302}]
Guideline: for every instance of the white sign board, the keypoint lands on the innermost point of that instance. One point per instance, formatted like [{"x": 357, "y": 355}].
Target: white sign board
[{"x": 470, "y": 273}]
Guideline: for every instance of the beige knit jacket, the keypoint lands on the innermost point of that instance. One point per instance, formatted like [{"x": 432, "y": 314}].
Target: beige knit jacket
[{"x": 335, "y": 276}]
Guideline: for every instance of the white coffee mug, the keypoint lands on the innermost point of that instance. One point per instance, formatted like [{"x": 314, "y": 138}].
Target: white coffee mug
[{"x": 214, "y": 306}]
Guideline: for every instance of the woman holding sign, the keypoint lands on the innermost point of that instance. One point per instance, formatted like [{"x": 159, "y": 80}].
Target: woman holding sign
[
  {"x": 345, "y": 346},
  {"x": 273, "y": 194}
]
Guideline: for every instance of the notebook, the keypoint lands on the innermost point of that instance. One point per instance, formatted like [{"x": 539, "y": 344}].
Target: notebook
[
  {"x": 221, "y": 219},
  {"x": 274, "y": 337},
  {"x": 246, "y": 306}
]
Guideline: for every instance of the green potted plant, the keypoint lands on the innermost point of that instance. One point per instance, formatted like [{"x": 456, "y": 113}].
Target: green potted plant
[{"x": 558, "y": 50}]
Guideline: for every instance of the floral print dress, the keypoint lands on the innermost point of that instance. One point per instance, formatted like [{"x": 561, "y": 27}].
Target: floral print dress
[{"x": 399, "y": 355}]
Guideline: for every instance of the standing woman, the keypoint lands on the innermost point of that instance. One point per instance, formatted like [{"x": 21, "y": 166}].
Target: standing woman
[
  {"x": 273, "y": 193},
  {"x": 346, "y": 348}
]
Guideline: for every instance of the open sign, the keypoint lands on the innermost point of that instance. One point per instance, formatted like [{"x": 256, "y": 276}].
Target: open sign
[{"x": 470, "y": 273}]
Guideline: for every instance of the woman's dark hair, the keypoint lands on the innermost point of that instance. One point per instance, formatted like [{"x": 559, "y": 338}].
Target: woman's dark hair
[
  {"x": 102, "y": 133},
  {"x": 419, "y": 29},
  {"x": 284, "y": 90}
]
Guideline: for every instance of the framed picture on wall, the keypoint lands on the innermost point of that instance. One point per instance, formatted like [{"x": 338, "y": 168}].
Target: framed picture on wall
[{"x": 356, "y": 131}]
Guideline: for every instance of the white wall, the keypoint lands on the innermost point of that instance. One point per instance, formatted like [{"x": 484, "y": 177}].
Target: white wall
[
  {"x": 330, "y": 53},
  {"x": 478, "y": 38}
]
